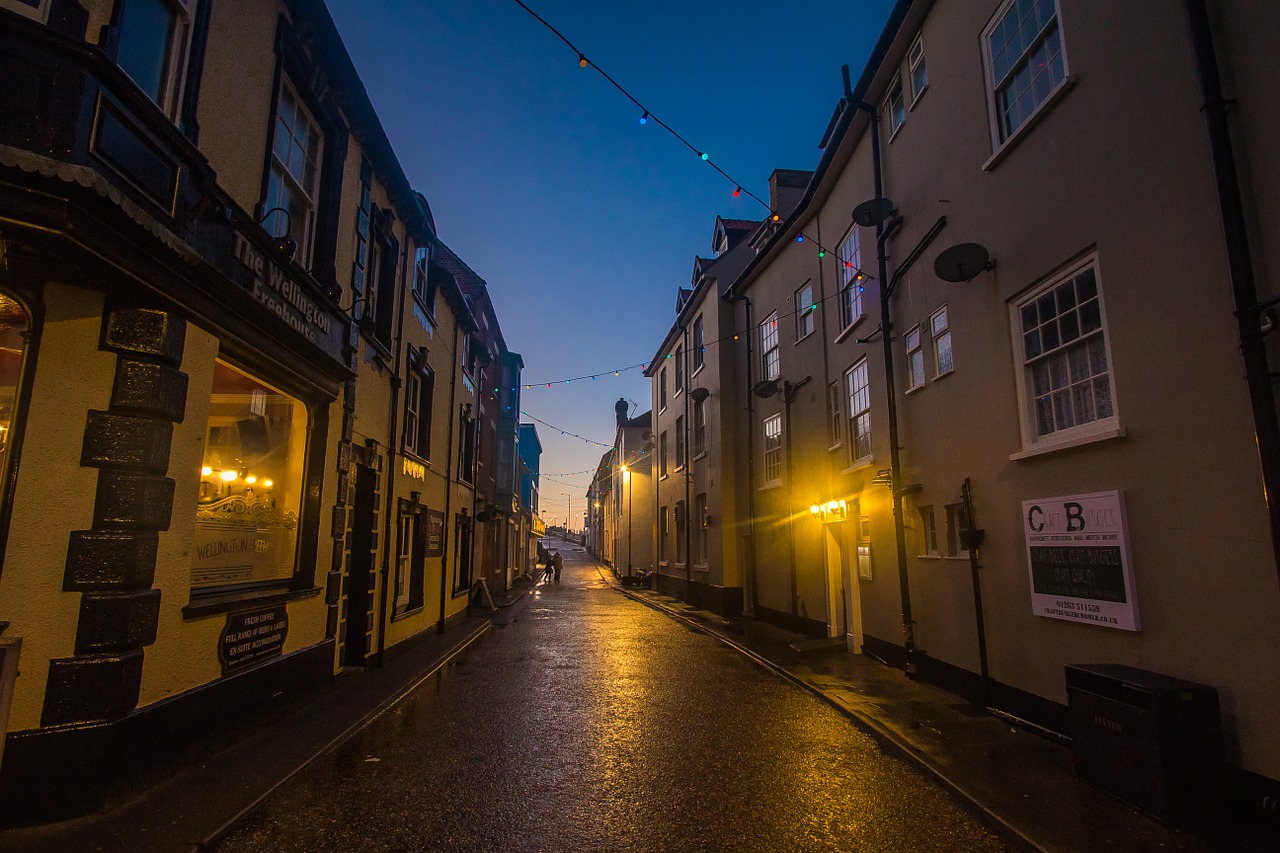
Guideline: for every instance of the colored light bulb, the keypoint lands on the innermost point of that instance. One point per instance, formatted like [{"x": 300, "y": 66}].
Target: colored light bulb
[
  {"x": 644, "y": 119},
  {"x": 737, "y": 192},
  {"x": 704, "y": 155}
]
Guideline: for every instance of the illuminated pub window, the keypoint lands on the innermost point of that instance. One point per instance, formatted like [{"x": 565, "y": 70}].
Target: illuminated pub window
[
  {"x": 250, "y": 485},
  {"x": 14, "y": 326}
]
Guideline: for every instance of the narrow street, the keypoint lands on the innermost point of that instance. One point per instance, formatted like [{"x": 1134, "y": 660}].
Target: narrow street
[{"x": 591, "y": 722}]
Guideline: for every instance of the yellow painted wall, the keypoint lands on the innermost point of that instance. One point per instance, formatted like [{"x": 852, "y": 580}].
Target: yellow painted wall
[
  {"x": 54, "y": 495},
  {"x": 236, "y": 95}
]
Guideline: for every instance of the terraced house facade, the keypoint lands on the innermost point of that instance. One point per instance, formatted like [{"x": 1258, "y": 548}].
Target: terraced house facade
[{"x": 241, "y": 378}]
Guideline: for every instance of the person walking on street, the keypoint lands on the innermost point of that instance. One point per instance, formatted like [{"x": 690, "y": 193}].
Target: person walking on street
[
  {"x": 559, "y": 564},
  {"x": 550, "y": 560}
]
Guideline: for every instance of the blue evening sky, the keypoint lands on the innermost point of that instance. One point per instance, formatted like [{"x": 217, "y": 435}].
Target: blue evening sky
[{"x": 584, "y": 222}]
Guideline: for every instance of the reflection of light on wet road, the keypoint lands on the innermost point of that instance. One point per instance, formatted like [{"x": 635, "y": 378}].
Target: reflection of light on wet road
[{"x": 595, "y": 723}]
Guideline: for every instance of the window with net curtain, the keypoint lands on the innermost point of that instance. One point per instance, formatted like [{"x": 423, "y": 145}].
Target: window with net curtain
[
  {"x": 1025, "y": 61},
  {"x": 1064, "y": 353}
]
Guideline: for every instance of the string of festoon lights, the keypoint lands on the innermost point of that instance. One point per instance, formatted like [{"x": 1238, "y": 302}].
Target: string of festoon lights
[
  {"x": 647, "y": 115},
  {"x": 732, "y": 336}
]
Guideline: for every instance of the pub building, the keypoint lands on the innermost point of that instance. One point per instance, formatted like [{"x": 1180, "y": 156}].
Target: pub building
[{"x": 207, "y": 247}]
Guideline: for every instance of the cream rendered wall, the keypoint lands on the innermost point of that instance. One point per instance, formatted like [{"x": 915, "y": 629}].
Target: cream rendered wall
[
  {"x": 1119, "y": 166},
  {"x": 54, "y": 494},
  {"x": 236, "y": 95},
  {"x": 433, "y": 489}
]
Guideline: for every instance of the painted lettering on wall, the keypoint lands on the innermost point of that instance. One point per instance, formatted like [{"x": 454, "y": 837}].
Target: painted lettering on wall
[{"x": 282, "y": 296}]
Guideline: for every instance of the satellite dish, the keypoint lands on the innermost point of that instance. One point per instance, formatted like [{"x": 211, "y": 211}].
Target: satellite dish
[
  {"x": 699, "y": 394},
  {"x": 962, "y": 262},
  {"x": 766, "y": 388},
  {"x": 871, "y": 213}
]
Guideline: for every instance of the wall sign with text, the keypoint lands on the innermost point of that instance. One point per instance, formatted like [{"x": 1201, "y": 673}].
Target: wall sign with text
[
  {"x": 1079, "y": 559},
  {"x": 251, "y": 636}
]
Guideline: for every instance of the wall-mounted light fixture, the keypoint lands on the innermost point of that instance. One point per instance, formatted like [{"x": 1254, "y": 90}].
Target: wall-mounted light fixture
[{"x": 284, "y": 244}]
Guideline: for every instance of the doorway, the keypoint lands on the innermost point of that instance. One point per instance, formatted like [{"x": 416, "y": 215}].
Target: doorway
[{"x": 358, "y": 583}]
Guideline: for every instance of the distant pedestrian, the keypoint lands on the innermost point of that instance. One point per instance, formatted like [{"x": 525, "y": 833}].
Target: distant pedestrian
[
  {"x": 559, "y": 564},
  {"x": 550, "y": 566}
]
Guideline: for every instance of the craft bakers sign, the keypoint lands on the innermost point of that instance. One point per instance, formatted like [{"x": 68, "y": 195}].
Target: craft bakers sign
[{"x": 1079, "y": 559}]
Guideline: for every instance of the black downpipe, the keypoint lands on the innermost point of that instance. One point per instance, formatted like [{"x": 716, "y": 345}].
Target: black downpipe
[
  {"x": 390, "y": 479},
  {"x": 883, "y": 232},
  {"x": 688, "y": 468},
  {"x": 975, "y": 539},
  {"x": 1235, "y": 232},
  {"x": 450, "y": 480}
]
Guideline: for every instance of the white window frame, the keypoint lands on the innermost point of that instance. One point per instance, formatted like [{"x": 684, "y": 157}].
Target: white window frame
[
  {"x": 955, "y": 523},
  {"x": 679, "y": 360},
  {"x": 771, "y": 433},
  {"x": 928, "y": 532},
  {"x": 834, "y": 415},
  {"x": 680, "y": 443},
  {"x": 404, "y": 560},
  {"x": 995, "y": 86},
  {"x": 662, "y": 389},
  {"x": 857, "y": 392},
  {"x": 917, "y": 71},
  {"x": 851, "y": 287},
  {"x": 895, "y": 106},
  {"x": 805, "y": 311},
  {"x": 699, "y": 427},
  {"x": 173, "y": 77},
  {"x": 913, "y": 340},
  {"x": 1033, "y": 441},
  {"x": 302, "y": 232},
  {"x": 699, "y": 344},
  {"x": 940, "y": 336},
  {"x": 770, "y": 358}
]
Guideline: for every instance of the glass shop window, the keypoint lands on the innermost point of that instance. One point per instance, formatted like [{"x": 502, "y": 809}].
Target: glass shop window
[
  {"x": 250, "y": 485},
  {"x": 15, "y": 326}
]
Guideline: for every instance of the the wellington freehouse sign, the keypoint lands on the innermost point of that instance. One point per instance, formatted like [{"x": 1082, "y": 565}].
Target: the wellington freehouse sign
[
  {"x": 1079, "y": 560},
  {"x": 286, "y": 297}
]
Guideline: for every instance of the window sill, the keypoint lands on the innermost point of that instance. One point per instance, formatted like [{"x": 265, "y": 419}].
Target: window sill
[
  {"x": 804, "y": 337},
  {"x": 938, "y": 376},
  {"x": 1050, "y": 100},
  {"x": 404, "y": 614},
  {"x": 770, "y": 486},
  {"x": 937, "y": 557},
  {"x": 426, "y": 309},
  {"x": 215, "y": 604},
  {"x": 1068, "y": 442},
  {"x": 860, "y": 464},
  {"x": 910, "y": 391},
  {"x": 701, "y": 455},
  {"x": 662, "y": 477},
  {"x": 896, "y": 131},
  {"x": 917, "y": 98},
  {"x": 848, "y": 330},
  {"x": 697, "y": 370},
  {"x": 835, "y": 446}
]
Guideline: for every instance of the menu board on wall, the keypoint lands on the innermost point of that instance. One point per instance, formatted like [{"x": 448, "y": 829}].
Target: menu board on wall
[
  {"x": 435, "y": 533},
  {"x": 251, "y": 636},
  {"x": 1079, "y": 560}
]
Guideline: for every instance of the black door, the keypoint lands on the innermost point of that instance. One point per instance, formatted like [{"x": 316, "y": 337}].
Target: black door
[{"x": 360, "y": 578}]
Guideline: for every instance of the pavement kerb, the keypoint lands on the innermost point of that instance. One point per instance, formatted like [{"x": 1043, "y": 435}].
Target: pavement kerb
[
  {"x": 869, "y": 724},
  {"x": 409, "y": 687}
]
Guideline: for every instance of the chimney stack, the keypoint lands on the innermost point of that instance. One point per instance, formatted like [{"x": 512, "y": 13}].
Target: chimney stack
[{"x": 620, "y": 408}]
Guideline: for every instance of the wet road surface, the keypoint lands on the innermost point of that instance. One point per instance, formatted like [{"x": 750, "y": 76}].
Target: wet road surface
[{"x": 592, "y": 722}]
